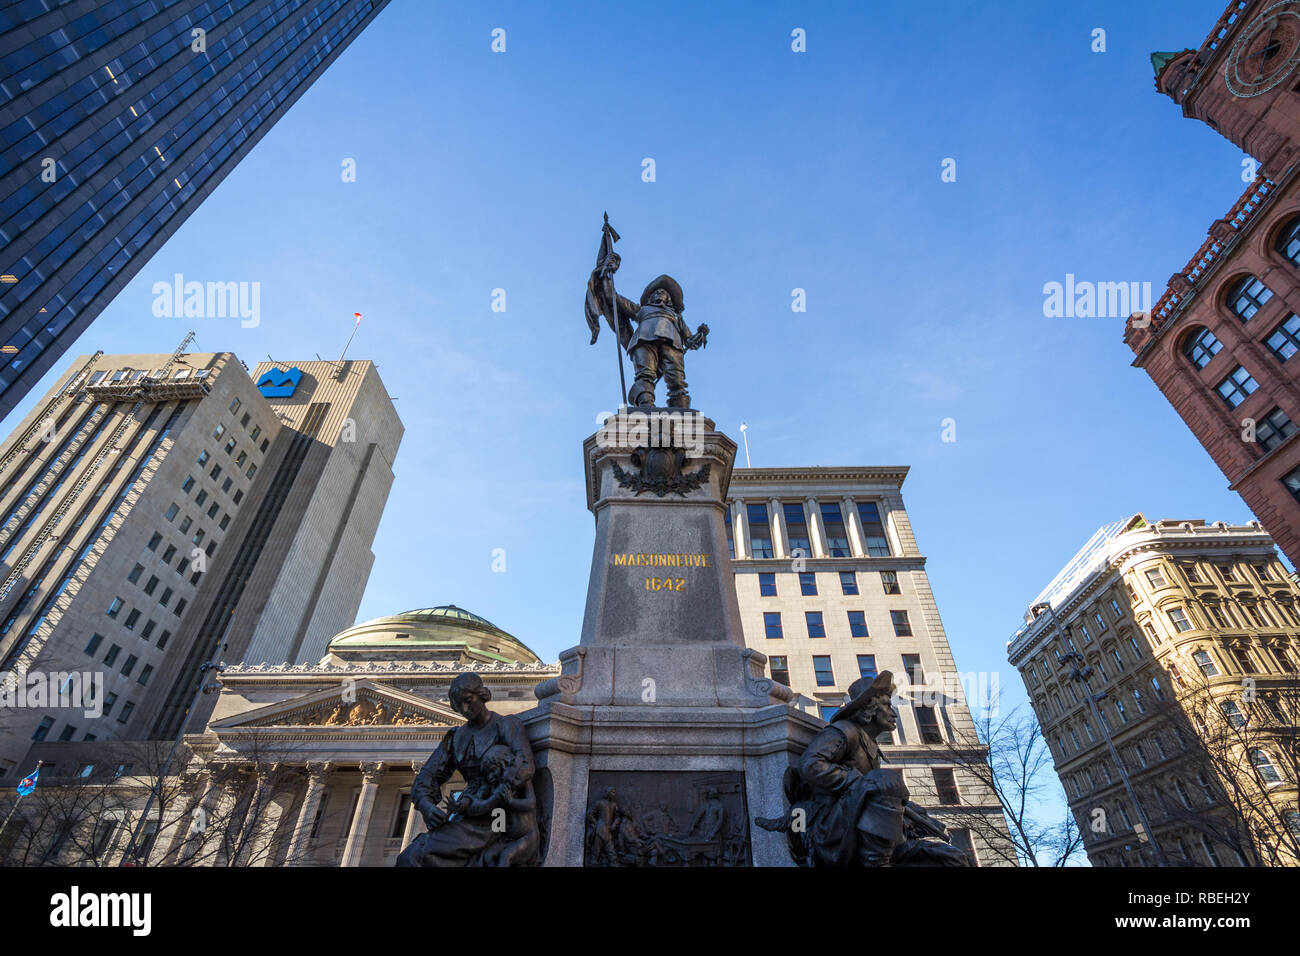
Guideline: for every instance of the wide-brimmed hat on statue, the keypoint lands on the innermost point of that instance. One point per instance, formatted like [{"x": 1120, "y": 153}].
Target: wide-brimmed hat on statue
[
  {"x": 669, "y": 284},
  {"x": 864, "y": 690}
]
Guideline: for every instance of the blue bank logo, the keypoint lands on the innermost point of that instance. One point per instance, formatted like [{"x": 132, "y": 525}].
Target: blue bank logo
[{"x": 279, "y": 383}]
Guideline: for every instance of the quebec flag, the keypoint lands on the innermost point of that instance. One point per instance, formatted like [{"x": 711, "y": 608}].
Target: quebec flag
[{"x": 28, "y": 783}]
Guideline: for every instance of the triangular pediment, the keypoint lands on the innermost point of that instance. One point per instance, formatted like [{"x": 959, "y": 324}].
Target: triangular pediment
[{"x": 362, "y": 703}]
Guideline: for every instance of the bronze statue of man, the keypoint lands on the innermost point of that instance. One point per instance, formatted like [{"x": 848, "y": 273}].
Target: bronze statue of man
[
  {"x": 492, "y": 755},
  {"x": 652, "y": 332},
  {"x": 851, "y": 810}
]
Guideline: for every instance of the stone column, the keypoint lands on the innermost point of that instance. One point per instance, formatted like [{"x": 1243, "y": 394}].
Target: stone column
[
  {"x": 740, "y": 528},
  {"x": 857, "y": 536},
  {"x": 317, "y": 774},
  {"x": 370, "y": 773},
  {"x": 776, "y": 521},
  {"x": 252, "y": 826},
  {"x": 414, "y": 822},
  {"x": 815, "y": 529}
]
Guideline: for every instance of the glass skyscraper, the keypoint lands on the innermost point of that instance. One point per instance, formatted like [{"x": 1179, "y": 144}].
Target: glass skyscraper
[{"x": 117, "y": 118}]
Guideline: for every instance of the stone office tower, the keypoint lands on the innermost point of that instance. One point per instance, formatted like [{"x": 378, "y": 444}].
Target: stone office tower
[
  {"x": 1185, "y": 635},
  {"x": 855, "y": 600},
  {"x": 1219, "y": 344},
  {"x": 155, "y": 507},
  {"x": 116, "y": 121}
]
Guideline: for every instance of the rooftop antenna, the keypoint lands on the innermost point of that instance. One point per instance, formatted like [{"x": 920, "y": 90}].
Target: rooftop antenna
[{"x": 744, "y": 429}]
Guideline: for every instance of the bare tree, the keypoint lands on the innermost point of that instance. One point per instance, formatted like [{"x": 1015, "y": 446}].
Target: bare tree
[
  {"x": 1235, "y": 786},
  {"x": 1008, "y": 757}
]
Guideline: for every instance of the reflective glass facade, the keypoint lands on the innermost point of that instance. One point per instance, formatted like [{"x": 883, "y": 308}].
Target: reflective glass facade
[{"x": 117, "y": 118}]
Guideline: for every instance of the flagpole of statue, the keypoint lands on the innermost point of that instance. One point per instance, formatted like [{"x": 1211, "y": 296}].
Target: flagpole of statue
[
  {"x": 652, "y": 331},
  {"x": 595, "y": 308}
]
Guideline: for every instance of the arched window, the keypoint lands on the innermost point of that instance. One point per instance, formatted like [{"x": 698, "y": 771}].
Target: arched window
[
  {"x": 1288, "y": 242},
  {"x": 1264, "y": 766},
  {"x": 1247, "y": 296}
]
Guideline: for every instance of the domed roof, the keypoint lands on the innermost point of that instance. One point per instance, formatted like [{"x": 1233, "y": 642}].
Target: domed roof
[{"x": 432, "y": 631}]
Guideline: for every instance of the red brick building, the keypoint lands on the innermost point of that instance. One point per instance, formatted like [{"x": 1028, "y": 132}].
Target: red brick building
[{"x": 1221, "y": 342}]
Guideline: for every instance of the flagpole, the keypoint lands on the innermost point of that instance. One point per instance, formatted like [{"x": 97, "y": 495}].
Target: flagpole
[
  {"x": 350, "y": 337},
  {"x": 4, "y": 826},
  {"x": 613, "y": 319}
]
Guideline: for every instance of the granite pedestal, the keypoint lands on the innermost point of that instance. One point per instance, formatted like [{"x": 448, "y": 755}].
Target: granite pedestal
[{"x": 662, "y": 738}]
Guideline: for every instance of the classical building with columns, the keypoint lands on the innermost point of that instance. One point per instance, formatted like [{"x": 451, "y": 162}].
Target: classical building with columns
[
  {"x": 300, "y": 764},
  {"x": 832, "y": 587}
]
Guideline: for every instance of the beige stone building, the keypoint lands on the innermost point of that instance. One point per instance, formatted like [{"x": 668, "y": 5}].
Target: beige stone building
[
  {"x": 157, "y": 511},
  {"x": 1176, "y": 641},
  {"x": 833, "y": 587}
]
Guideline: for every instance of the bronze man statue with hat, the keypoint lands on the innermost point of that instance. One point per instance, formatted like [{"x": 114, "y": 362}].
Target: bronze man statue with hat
[
  {"x": 652, "y": 332},
  {"x": 845, "y": 809}
]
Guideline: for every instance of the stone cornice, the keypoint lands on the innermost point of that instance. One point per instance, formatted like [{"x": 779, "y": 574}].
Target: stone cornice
[{"x": 849, "y": 474}]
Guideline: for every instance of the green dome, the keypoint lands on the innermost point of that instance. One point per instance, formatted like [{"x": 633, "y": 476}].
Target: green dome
[{"x": 437, "y": 631}]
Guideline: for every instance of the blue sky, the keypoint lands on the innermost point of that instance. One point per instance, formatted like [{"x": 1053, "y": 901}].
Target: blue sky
[{"x": 774, "y": 170}]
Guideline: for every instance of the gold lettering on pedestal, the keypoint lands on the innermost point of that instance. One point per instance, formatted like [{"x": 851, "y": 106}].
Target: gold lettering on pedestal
[{"x": 648, "y": 560}]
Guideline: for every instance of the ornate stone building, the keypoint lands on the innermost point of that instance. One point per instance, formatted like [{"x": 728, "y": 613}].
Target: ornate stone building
[
  {"x": 301, "y": 764},
  {"x": 1219, "y": 343},
  {"x": 1177, "y": 643}
]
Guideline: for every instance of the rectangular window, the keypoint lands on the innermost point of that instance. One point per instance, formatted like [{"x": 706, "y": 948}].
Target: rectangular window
[
  {"x": 1156, "y": 578},
  {"x": 928, "y": 723},
  {"x": 766, "y": 584},
  {"x": 822, "y": 668},
  {"x": 1101, "y": 621},
  {"x": 68, "y": 731},
  {"x": 902, "y": 627},
  {"x": 111, "y": 656},
  {"x": 772, "y": 624},
  {"x": 807, "y": 583},
  {"x": 849, "y": 582},
  {"x": 760, "y": 534},
  {"x": 187, "y": 484},
  {"x": 172, "y": 511},
  {"x": 201, "y": 497},
  {"x": 169, "y": 554},
  {"x": 93, "y": 644},
  {"x": 115, "y": 607},
  {"x": 145, "y": 674},
  {"x": 858, "y": 624},
  {"x": 230, "y": 446},
  {"x": 223, "y": 523},
  {"x": 149, "y": 626},
  {"x": 202, "y": 459},
  {"x": 218, "y": 432},
  {"x": 212, "y": 512},
  {"x": 126, "y": 712},
  {"x": 225, "y": 489},
  {"x": 1285, "y": 340},
  {"x": 215, "y": 473},
  {"x": 1273, "y": 429},
  {"x": 185, "y": 524},
  {"x": 163, "y": 639},
  {"x": 255, "y": 433},
  {"x": 135, "y": 573},
  {"x": 132, "y": 616},
  {"x": 152, "y": 585},
  {"x": 1206, "y": 663},
  {"x": 796, "y": 527},
  {"x": 43, "y": 731},
  {"x": 252, "y": 470},
  {"x": 780, "y": 670},
  {"x": 239, "y": 496},
  {"x": 912, "y": 667},
  {"x": 234, "y": 406},
  {"x": 814, "y": 621},
  {"x": 1114, "y": 606},
  {"x": 180, "y": 607},
  {"x": 945, "y": 786},
  {"x": 1237, "y": 387},
  {"x": 1179, "y": 618},
  {"x": 867, "y": 666},
  {"x": 129, "y": 666},
  {"x": 873, "y": 530},
  {"x": 242, "y": 457},
  {"x": 889, "y": 581},
  {"x": 1191, "y": 573},
  {"x": 243, "y": 422},
  {"x": 154, "y": 542},
  {"x": 166, "y": 596},
  {"x": 837, "y": 538}
]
